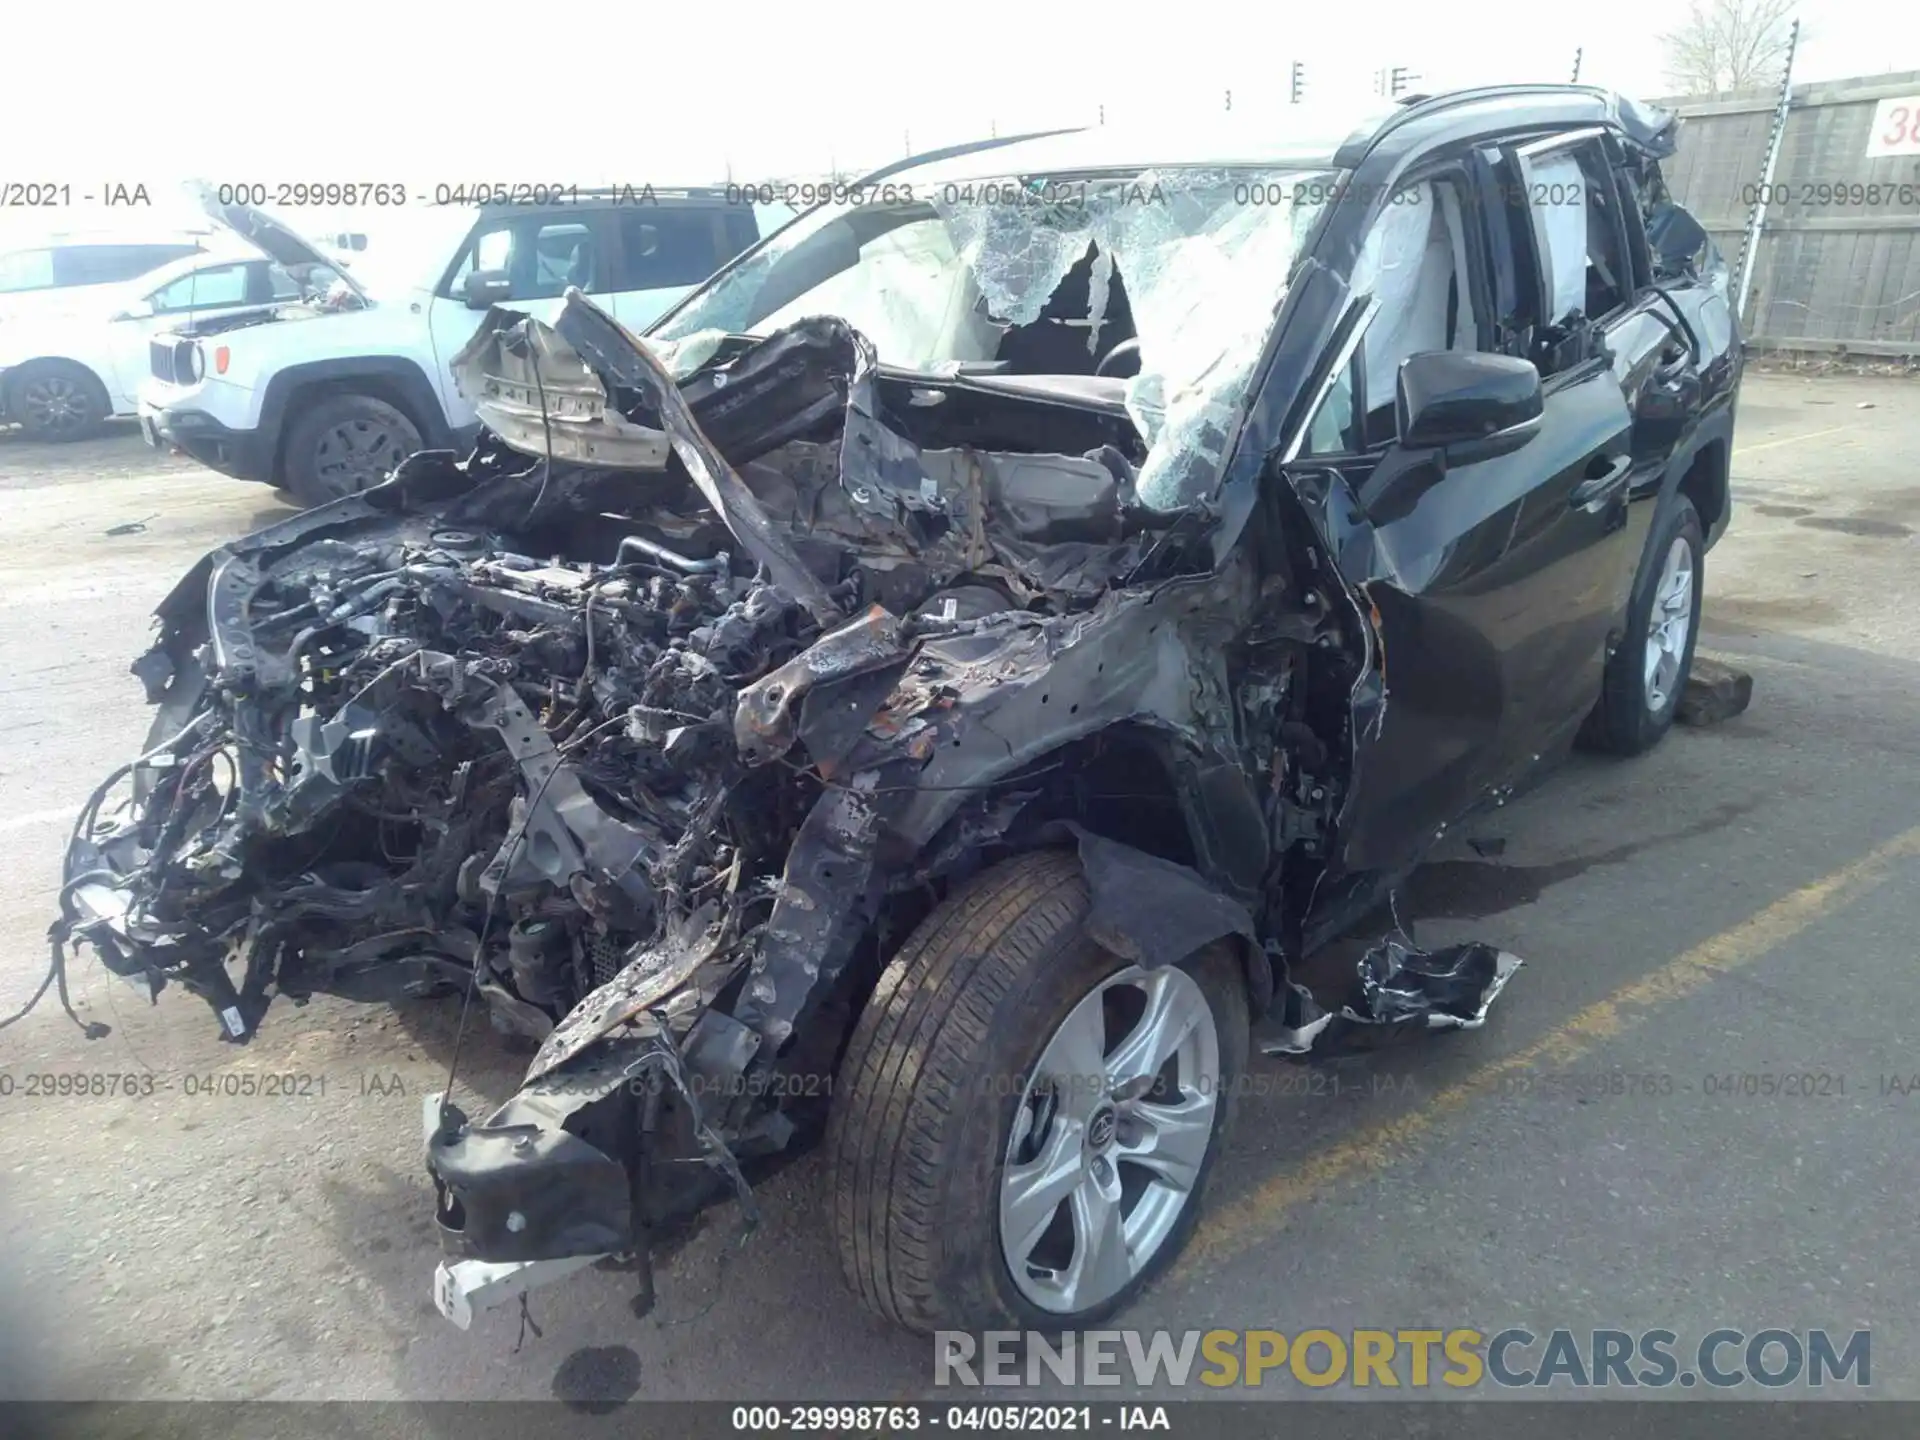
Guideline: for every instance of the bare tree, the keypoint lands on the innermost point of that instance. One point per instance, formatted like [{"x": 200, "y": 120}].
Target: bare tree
[{"x": 1728, "y": 45}]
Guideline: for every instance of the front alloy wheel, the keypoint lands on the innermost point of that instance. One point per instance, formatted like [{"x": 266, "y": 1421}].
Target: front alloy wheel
[
  {"x": 1023, "y": 1123},
  {"x": 1108, "y": 1140}
]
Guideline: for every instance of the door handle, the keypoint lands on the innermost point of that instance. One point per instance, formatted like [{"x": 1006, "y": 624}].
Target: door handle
[{"x": 1604, "y": 477}]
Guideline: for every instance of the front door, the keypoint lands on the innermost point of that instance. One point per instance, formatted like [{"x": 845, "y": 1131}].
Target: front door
[
  {"x": 542, "y": 253},
  {"x": 1488, "y": 591}
]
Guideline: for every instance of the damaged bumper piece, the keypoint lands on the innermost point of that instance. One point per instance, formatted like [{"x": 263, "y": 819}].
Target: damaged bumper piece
[{"x": 652, "y": 724}]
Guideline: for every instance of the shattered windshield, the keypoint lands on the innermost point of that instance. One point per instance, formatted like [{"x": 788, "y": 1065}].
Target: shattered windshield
[{"x": 1161, "y": 284}]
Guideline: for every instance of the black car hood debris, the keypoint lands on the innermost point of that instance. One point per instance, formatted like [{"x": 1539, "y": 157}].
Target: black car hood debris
[
  {"x": 656, "y": 721},
  {"x": 1398, "y": 984}
]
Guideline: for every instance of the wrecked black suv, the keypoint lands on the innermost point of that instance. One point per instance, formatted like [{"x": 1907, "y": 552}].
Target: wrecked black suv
[{"x": 931, "y": 694}]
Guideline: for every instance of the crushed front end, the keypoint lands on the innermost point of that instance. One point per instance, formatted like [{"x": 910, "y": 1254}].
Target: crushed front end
[
  {"x": 608, "y": 726},
  {"x": 652, "y": 726}
]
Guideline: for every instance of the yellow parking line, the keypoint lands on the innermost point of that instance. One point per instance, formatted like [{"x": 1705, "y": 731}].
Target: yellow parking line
[
  {"x": 1787, "y": 440},
  {"x": 1252, "y": 1217}
]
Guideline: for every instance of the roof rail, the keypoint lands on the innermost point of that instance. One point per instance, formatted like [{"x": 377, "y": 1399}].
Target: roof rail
[
  {"x": 953, "y": 152},
  {"x": 1417, "y": 105},
  {"x": 1494, "y": 92}
]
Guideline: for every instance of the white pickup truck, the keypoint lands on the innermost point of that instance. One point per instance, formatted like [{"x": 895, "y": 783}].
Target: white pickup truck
[{"x": 323, "y": 398}]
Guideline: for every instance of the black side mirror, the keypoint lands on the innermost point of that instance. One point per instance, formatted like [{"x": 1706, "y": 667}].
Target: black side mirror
[
  {"x": 1467, "y": 405},
  {"x": 484, "y": 289},
  {"x": 1450, "y": 407}
]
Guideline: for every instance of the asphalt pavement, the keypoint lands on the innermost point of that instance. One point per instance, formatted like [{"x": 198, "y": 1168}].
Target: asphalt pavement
[{"x": 1739, "y": 905}]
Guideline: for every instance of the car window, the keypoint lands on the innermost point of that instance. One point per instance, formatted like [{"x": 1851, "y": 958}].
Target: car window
[
  {"x": 743, "y": 226},
  {"x": 1417, "y": 265},
  {"x": 562, "y": 256},
  {"x": 493, "y": 249},
  {"x": 663, "y": 246},
  {"x": 1331, "y": 431},
  {"x": 541, "y": 256},
  {"x": 110, "y": 264},
  {"x": 26, "y": 270},
  {"x": 215, "y": 285},
  {"x": 312, "y": 281},
  {"x": 912, "y": 271},
  {"x": 1574, "y": 209}
]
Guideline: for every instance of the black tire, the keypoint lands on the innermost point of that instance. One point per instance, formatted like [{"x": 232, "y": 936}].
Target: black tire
[
  {"x": 920, "y": 1127},
  {"x": 57, "y": 400},
  {"x": 342, "y": 444},
  {"x": 1625, "y": 721}
]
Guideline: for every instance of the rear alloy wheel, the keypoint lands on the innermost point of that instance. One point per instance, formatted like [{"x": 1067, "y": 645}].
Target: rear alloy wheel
[
  {"x": 345, "y": 444},
  {"x": 1025, "y": 1122},
  {"x": 56, "y": 400},
  {"x": 1647, "y": 674},
  {"x": 1670, "y": 628}
]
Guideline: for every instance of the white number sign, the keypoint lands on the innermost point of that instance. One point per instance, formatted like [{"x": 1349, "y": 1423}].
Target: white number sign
[{"x": 1896, "y": 127}]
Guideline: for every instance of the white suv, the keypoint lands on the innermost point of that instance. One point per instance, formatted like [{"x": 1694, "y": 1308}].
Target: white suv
[
  {"x": 325, "y": 397},
  {"x": 61, "y": 374},
  {"x": 76, "y": 271}
]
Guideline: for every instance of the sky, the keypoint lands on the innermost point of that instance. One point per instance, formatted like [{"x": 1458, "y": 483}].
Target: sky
[{"x": 594, "y": 92}]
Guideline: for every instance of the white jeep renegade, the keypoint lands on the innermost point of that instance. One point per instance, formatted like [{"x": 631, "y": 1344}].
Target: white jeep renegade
[{"x": 325, "y": 396}]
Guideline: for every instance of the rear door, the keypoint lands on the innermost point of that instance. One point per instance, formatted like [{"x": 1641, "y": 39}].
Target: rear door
[
  {"x": 1592, "y": 339},
  {"x": 1485, "y": 588},
  {"x": 666, "y": 247},
  {"x": 1666, "y": 345}
]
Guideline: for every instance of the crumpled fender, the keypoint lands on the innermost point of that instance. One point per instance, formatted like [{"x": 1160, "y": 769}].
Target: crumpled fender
[{"x": 1154, "y": 912}]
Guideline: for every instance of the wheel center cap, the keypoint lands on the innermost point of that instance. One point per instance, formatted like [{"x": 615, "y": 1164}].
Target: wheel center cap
[{"x": 1100, "y": 1129}]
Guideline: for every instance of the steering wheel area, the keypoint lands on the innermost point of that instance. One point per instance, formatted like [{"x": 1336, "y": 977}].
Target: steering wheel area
[{"x": 1126, "y": 349}]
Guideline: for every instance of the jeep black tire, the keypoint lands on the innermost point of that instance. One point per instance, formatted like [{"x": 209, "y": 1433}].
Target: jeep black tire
[
  {"x": 1648, "y": 672},
  {"x": 56, "y": 400},
  {"x": 343, "y": 444},
  {"x": 944, "y": 1063}
]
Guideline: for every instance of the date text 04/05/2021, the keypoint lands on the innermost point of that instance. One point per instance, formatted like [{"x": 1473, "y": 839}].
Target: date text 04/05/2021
[
  {"x": 894, "y": 1419},
  {"x": 36, "y": 1085}
]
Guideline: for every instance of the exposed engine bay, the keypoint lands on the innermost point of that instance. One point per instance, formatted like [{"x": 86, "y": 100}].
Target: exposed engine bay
[
  {"x": 321, "y": 292},
  {"x": 655, "y": 722},
  {"x": 393, "y": 687}
]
